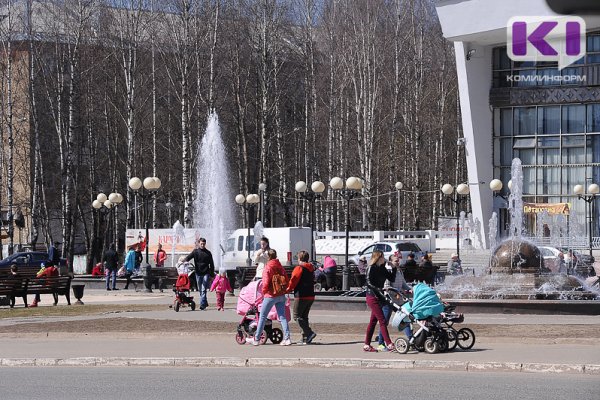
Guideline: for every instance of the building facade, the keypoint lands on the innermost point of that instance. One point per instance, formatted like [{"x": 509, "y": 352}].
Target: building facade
[{"x": 549, "y": 118}]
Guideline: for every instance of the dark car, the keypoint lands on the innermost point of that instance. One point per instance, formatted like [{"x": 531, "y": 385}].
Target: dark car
[{"x": 31, "y": 258}]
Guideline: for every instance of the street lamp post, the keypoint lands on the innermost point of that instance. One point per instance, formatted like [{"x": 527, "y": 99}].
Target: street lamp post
[
  {"x": 104, "y": 205},
  {"x": 261, "y": 189},
  {"x": 150, "y": 186},
  {"x": 399, "y": 187},
  {"x": 247, "y": 203},
  {"x": 353, "y": 187},
  {"x": 593, "y": 190},
  {"x": 317, "y": 188},
  {"x": 461, "y": 189}
]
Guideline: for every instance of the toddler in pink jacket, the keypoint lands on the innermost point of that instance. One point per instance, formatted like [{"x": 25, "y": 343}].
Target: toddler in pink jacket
[{"x": 221, "y": 285}]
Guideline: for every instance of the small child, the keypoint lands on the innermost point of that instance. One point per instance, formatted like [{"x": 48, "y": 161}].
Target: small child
[{"x": 220, "y": 285}]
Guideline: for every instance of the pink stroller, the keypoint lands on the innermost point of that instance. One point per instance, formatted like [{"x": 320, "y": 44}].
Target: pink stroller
[{"x": 249, "y": 303}]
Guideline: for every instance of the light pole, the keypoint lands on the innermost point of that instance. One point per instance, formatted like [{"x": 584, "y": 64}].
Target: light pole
[
  {"x": 247, "y": 203},
  {"x": 104, "y": 205},
  {"x": 150, "y": 187},
  {"x": 399, "y": 187},
  {"x": 261, "y": 189},
  {"x": 353, "y": 187},
  {"x": 317, "y": 187},
  {"x": 461, "y": 189},
  {"x": 593, "y": 190}
]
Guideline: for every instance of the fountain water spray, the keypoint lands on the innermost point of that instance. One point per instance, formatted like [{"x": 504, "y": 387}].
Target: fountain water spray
[{"x": 213, "y": 210}]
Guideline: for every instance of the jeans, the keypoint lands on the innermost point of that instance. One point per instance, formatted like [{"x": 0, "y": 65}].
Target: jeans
[
  {"x": 112, "y": 273},
  {"x": 203, "y": 281},
  {"x": 376, "y": 316},
  {"x": 268, "y": 303},
  {"x": 128, "y": 275},
  {"x": 301, "y": 310},
  {"x": 387, "y": 313}
]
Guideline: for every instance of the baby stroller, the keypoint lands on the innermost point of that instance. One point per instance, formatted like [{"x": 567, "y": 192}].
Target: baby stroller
[
  {"x": 248, "y": 306},
  {"x": 463, "y": 337},
  {"x": 182, "y": 293},
  {"x": 424, "y": 309}
]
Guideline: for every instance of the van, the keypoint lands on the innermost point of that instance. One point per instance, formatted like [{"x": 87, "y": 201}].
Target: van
[{"x": 286, "y": 241}]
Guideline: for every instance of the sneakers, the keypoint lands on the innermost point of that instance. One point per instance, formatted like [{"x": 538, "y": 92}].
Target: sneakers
[
  {"x": 108, "y": 289},
  {"x": 369, "y": 349},
  {"x": 286, "y": 342},
  {"x": 252, "y": 341},
  {"x": 115, "y": 288},
  {"x": 382, "y": 347},
  {"x": 310, "y": 338}
]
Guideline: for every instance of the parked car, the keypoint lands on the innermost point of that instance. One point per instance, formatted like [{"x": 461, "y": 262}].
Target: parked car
[
  {"x": 552, "y": 258},
  {"x": 389, "y": 248},
  {"x": 31, "y": 258}
]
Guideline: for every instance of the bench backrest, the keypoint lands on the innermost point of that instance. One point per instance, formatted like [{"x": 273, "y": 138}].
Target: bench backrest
[
  {"x": 13, "y": 285},
  {"x": 58, "y": 284},
  {"x": 24, "y": 271}
]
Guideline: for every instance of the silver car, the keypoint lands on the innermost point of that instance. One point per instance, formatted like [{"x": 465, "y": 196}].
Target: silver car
[{"x": 388, "y": 249}]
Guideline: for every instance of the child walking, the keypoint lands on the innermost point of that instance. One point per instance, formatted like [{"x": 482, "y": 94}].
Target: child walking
[{"x": 220, "y": 285}]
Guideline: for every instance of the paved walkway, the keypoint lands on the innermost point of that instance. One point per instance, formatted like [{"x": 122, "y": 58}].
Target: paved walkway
[{"x": 191, "y": 348}]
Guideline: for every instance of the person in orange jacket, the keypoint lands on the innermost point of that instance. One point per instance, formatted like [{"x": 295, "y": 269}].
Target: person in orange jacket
[
  {"x": 160, "y": 256},
  {"x": 45, "y": 271},
  {"x": 302, "y": 283}
]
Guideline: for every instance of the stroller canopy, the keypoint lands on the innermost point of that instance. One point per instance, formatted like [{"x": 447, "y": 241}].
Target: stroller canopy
[{"x": 426, "y": 302}]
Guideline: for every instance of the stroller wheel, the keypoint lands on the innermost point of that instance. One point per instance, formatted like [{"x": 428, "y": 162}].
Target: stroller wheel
[
  {"x": 401, "y": 345},
  {"x": 465, "y": 338},
  {"x": 177, "y": 305},
  {"x": 451, "y": 333},
  {"x": 276, "y": 335},
  {"x": 431, "y": 346},
  {"x": 240, "y": 337},
  {"x": 193, "y": 305},
  {"x": 263, "y": 338}
]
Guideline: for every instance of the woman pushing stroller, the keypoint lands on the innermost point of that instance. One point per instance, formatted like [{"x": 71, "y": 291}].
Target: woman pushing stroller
[{"x": 376, "y": 275}]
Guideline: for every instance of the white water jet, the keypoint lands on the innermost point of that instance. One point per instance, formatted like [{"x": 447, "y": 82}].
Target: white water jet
[
  {"x": 213, "y": 207},
  {"x": 493, "y": 231},
  {"x": 515, "y": 200}
]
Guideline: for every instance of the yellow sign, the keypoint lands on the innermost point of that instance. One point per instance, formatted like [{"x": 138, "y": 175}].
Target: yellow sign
[{"x": 552, "y": 209}]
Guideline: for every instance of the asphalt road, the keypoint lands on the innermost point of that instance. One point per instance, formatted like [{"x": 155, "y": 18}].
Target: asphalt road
[{"x": 271, "y": 383}]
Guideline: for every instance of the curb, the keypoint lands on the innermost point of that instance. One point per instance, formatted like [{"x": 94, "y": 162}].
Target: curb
[{"x": 462, "y": 366}]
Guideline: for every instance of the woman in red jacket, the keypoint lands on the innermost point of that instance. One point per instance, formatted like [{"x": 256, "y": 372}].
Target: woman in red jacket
[{"x": 271, "y": 298}]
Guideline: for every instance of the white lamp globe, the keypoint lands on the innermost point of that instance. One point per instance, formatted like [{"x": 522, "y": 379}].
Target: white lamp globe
[
  {"x": 578, "y": 189},
  {"x": 509, "y": 185},
  {"x": 113, "y": 197},
  {"x": 300, "y": 186},
  {"x": 96, "y": 204},
  {"x": 101, "y": 197},
  {"x": 399, "y": 185},
  {"x": 254, "y": 198},
  {"x": 496, "y": 185},
  {"x": 594, "y": 188},
  {"x": 135, "y": 183},
  {"x": 240, "y": 199},
  {"x": 463, "y": 189},
  {"x": 447, "y": 189},
  {"x": 336, "y": 183},
  {"x": 157, "y": 183},
  {"x": 119, "y": 198},
  {"x": 262, "y": 187},
  {"x": 108, "y": 204},
  {"x": 317, "y": 187}
]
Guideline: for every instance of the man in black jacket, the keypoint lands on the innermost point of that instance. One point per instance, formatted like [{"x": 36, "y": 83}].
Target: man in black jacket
[
  {"x": 111, "y": 263},
  {"x": 204, "y": 267}
]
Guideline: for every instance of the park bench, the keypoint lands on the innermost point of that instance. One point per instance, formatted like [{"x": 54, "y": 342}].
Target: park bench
[
  {"x": 13, "y": 288},
  {"x": 163, "y": 277},
  {"x": 55, "y": 285},
  {"x": 27, "y": 271}
]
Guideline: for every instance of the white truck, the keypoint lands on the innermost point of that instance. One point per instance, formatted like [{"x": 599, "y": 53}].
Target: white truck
[{"x": 286, "y": 241}]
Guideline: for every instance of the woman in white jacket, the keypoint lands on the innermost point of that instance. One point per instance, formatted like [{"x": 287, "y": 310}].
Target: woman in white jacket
[{"x": 261, "y": 257}]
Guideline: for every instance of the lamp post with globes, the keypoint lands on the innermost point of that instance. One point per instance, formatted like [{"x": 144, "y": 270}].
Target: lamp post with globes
[
  {"x": 247, "y": 203},
  {"x": 105, "y": 205},
  {"x": 146, "y": 190},
  {"x": 461, "y": 189},
  {"x": 262, "y": 187},
  {"x": 317, "y": 187},
  {"x": 593, "y": 191},
  {"x": 399, "y": 187},
  {"x": 353, "y": 187}
]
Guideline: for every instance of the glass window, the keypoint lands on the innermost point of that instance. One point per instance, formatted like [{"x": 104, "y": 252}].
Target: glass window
[
  {"x": 526, "y": 77},
  {"x": 500, "y": 80},
  {"x": 548, "y": 120},
  {"x": 573, "y": 155},
  {"x": 593, "y": 43},
  {"x": 240, "y": 243},
  {"x": 546, "y": 76},
  {"x": 548, "y": 180},
  {"x": 524, "y": 143},
  {"x": 503, "y": 121},
  {"x": 572, "y": 176},
  {"x": 529, "y": 180},
  {"x": 549, "y": 141},
  {"x": 250, "y": 243},
  {"x": 593, "y": 58},
  {"x": 548, "y": 156},
  {"x": 573, "y": 119},
  {"x": 506, "y": 152},
  {"x": 571, "y": 71},
  {"x": 525, "y": 119},
  {"x": 230, "y": 246},
  {"x": 501, "y": 60},
  {"x": 593, "y": 117},
  {"x": 527, "y": 156},
  {"x": 594, "y": 152}
]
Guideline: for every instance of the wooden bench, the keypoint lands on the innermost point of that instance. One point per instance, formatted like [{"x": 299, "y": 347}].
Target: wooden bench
[
  {"x": 55, "y": 285},
  {"x": 24, "y": 272},
  {"x": 13, "y": 288},
  {"x": 163, "y": 277}
]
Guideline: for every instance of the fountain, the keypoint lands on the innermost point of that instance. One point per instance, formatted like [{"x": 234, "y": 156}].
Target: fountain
[
  {"x": 211, "y": 212},
  {"x": 516, "y": 270}
]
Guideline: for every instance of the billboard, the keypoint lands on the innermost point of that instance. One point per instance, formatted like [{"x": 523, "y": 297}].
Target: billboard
[{"x": 171, "y": 241}]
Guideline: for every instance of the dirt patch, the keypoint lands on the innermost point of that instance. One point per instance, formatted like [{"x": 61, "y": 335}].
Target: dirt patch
[
  {"x": 62, "y": 311},
  {"x": 518, "y": 333}
]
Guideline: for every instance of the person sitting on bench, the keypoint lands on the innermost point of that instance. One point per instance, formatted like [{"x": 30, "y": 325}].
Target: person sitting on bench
[{"x": 45, "y": 271}]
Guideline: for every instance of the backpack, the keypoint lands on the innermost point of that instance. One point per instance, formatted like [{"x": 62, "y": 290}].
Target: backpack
[{"x": 279, "y": 284}]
